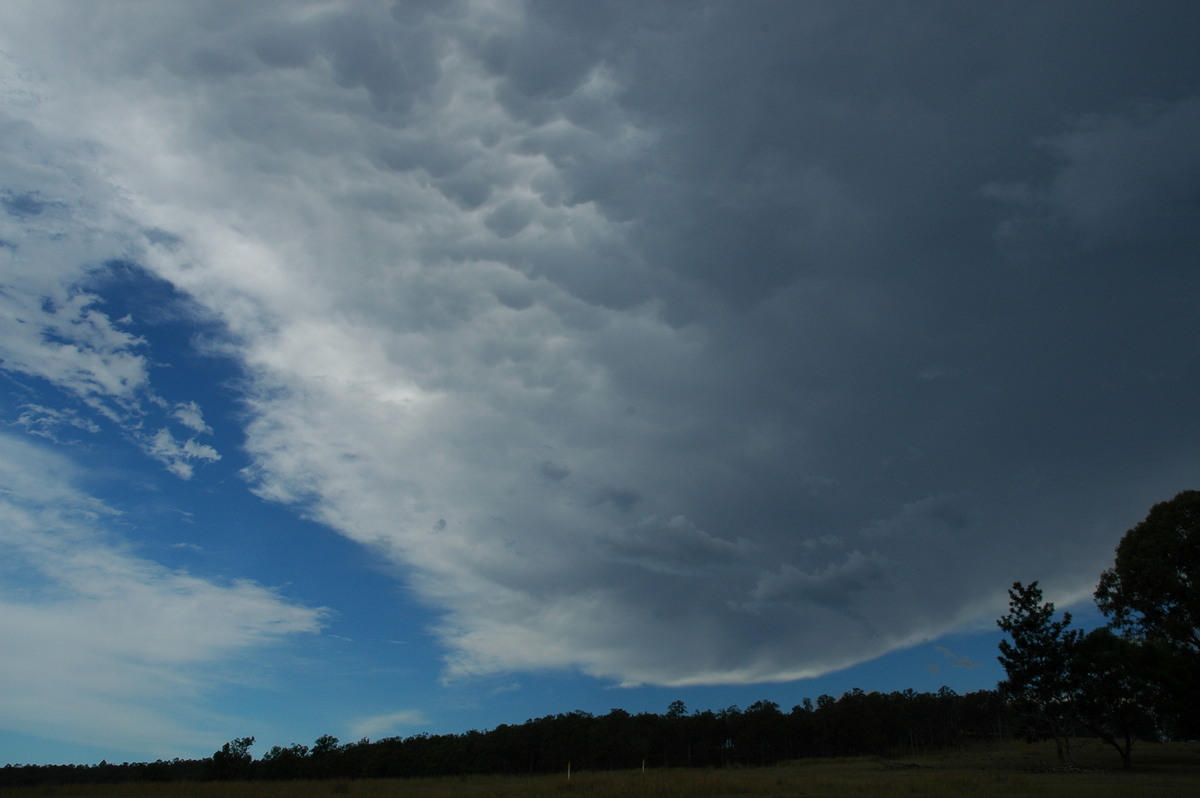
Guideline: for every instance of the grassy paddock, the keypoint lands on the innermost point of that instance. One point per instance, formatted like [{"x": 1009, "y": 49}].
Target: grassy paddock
[{"x": 1011, "y": 769}]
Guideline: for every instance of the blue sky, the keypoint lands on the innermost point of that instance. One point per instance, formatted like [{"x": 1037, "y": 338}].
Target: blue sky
[{"x": 381, "y": 368}]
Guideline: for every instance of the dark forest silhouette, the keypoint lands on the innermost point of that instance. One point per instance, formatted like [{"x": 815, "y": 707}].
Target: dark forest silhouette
[{"x": 762, "y": 734}]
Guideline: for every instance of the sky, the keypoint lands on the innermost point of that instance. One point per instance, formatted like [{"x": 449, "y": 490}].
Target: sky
[{"x": 374, "y": 369}]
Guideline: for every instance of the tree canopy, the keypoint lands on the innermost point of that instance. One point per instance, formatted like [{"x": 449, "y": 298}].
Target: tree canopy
[
  {"x": 1152, "y": 594},
  {"x": 1153, "y": 588}
]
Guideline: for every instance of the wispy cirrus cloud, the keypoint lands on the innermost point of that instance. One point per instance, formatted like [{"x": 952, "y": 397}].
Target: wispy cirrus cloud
[
  {"x": 103, "y": 644},
  {"x": 378, "y": 726}
]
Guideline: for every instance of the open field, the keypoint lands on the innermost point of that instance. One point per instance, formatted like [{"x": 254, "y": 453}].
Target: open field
[{"x": 1011, "y": 769}]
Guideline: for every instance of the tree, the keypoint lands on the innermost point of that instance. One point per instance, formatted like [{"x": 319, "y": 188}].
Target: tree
[
  {"x": 324, "y": 757},
  {"x": 1116, "y": 698},
  {"x": 325, "y": 745},
  {"x": 1041, "y": 683},
  {"x": 1153, "y": 589},
  {"x": 281, "y": 763},
  {"x": 1152, "y": 593},
  {"x": 678, "y": 745},
  {"x": 233, "y": 760}
]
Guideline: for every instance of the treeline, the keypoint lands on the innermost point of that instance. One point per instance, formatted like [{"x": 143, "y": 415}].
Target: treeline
[{"x": 899, "y": 723}]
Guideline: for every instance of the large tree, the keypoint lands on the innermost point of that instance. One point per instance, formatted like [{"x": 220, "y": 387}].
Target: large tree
[
  {"x": 1039, "y": 661},
  {"x": 1152, "y": 594},
  {"x": 1153, "y": 589},
  {"x": 1118, "y": 694},
  {"x": 233, "y": 760}
]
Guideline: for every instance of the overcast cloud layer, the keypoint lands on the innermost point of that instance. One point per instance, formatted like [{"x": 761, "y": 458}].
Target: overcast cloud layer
[{"x": 675, "y": 343}]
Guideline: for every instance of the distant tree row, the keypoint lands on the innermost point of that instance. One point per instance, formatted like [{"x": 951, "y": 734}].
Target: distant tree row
[
  {"x": 859, "y": 722},
  {"x": 1136, "y": 678}
]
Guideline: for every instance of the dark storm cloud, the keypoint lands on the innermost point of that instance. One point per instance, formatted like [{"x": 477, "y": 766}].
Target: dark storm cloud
[
  {"x": 793, "y": 141},
  {"x": 844, "y": 316},
  {"x": 672, "y": 545},
  {"x": 624, "y": 499},
  {"x": 553, "y": 471},
  {"x": 816, "y": 190}
]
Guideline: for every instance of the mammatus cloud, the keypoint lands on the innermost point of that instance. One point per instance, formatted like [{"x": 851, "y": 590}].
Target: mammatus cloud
[
  {"x": 671, "y": 343},
  {"x": 101, "y": 643}
]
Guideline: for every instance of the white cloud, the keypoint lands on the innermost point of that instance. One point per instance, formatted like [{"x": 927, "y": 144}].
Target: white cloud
[
  {"x": 61, "y": 223},
  {"x": 189, "y": 415},
  {"x": 64, "y": 339},
  {"x": 104, "y": 646},
  {"x": 60, "y": 220},
  {"x": 378, "y": 726},
  {"x": 46, "y": 422},
  {"x": 177, "y": 455}
]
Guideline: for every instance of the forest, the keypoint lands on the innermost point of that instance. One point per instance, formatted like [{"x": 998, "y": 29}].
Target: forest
[
  {"x": 761, "y": 734},
  {"x": 1135, "y": 679}
]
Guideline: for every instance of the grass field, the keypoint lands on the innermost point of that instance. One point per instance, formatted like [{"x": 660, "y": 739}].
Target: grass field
[{"x": 1010, "y": 769}]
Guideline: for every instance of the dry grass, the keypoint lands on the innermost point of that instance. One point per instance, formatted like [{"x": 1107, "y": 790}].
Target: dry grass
[{"x": 1013, "y": 769}]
